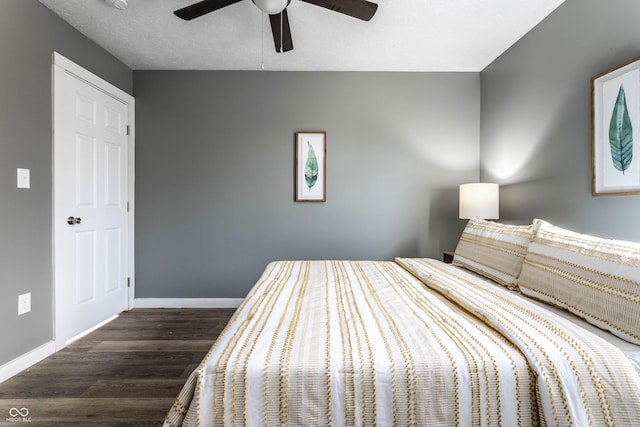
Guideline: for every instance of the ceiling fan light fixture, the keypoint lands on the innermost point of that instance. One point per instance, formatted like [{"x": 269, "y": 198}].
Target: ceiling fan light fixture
[
  {"x": 278, "y": 15},
  {"x": 118, "y": 4},
  {"x": 271, "y": 7}
]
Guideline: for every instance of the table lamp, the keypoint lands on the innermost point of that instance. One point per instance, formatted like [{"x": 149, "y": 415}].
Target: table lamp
[{"x": 479, "y": 200}]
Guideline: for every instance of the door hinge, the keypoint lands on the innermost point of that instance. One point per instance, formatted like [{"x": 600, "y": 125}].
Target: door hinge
[
  {"x": 128, "y": 282},
  {"x": 127, "y": 206},
  {"x": 128, "y": 130}
]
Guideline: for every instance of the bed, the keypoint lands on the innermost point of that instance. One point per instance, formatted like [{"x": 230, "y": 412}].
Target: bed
[{"x": 487, "y": 340}]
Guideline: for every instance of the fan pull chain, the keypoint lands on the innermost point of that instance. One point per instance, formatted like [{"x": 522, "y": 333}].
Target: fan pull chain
[
  {"x": 281, "y": 19},
  {"x": 262, "y": 40}
]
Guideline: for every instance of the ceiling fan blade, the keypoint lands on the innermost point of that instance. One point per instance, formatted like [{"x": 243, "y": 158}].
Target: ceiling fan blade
[
  {"x": 282, "y": 39},
  {"x": 202, "y": 8},
  {"x": 361, "y": 9}
]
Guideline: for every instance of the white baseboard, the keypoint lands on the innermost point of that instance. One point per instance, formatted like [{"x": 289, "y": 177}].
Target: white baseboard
[
  {"x": 187, "y": 302},
  {"x": 88, "y": 331},
  {"x": 26, "y": 361}
]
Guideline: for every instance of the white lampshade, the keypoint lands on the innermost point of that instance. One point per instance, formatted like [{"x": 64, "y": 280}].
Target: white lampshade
[
  {"x": 479, "y": 200},
  {"x": 271, "y": 7}
]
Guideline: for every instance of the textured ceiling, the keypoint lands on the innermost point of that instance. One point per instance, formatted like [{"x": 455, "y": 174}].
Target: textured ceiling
[{"x": 404, "y": 35}]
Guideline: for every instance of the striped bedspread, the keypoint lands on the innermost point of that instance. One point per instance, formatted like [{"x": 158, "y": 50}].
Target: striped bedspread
[{"x": 411, "y": 342}]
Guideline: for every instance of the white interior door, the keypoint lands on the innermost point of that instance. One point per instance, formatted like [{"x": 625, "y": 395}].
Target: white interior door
[{"x": 91, "y": 219}]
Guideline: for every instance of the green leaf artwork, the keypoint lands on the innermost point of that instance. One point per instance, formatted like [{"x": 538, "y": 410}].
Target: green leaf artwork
[
  {"x": 621, "y": 134},
  {"x": 311, "y": 167}
]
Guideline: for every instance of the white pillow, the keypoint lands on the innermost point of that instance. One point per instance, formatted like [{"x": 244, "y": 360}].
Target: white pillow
[
  {"x": 493, "y": 250},
  {"x": 594, "y": 278}
]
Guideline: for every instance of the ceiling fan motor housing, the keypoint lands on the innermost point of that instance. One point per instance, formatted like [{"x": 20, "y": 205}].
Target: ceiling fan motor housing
[{"x": 271, "y": 7}]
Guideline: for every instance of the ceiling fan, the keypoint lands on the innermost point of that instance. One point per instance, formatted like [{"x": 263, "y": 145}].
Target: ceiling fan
[{"x": 277, "y": 11}]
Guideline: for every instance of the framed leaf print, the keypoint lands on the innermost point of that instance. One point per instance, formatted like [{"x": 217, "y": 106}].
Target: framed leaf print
[
  {"x": 615, "y": 122},
  {"x": 311, "y": 166}
]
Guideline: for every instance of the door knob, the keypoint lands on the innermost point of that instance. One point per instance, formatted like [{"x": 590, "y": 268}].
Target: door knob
[{"x": 72, "y": 221}]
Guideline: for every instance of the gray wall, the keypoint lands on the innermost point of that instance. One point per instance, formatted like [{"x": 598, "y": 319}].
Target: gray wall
[
  {"x": 536, "y": 123},
  {"x": 29, "y": 33},
  {"x": 215, "y": 177}
]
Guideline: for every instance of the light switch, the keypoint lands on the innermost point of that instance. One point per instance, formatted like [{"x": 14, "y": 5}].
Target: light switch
[{"x": 24, "y": 178}]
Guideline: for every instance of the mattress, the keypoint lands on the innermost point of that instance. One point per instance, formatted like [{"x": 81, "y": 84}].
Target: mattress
[{"x": 410, "y": 342}]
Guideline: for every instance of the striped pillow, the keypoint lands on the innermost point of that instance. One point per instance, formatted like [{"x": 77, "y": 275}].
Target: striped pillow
[
  {"x": 594, "y": 278},
  {"x": 494, "y": 250}
]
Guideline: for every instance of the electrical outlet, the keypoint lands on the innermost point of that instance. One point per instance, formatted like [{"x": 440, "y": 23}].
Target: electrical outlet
[
  {"x": 24, "y": 303},
  {"x": 24, "y": 178}
]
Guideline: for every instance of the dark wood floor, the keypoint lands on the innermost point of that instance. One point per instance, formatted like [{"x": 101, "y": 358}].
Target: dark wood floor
[{"x": 126, "y": 373}]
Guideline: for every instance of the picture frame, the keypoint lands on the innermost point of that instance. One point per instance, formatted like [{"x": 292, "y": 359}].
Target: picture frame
[
  {"x": 311, "y": 167},
  {"x": 615, "y": 123}
]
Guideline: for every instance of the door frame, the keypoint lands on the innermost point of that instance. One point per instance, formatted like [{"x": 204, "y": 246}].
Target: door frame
[{"x": 61, "y": 66}]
